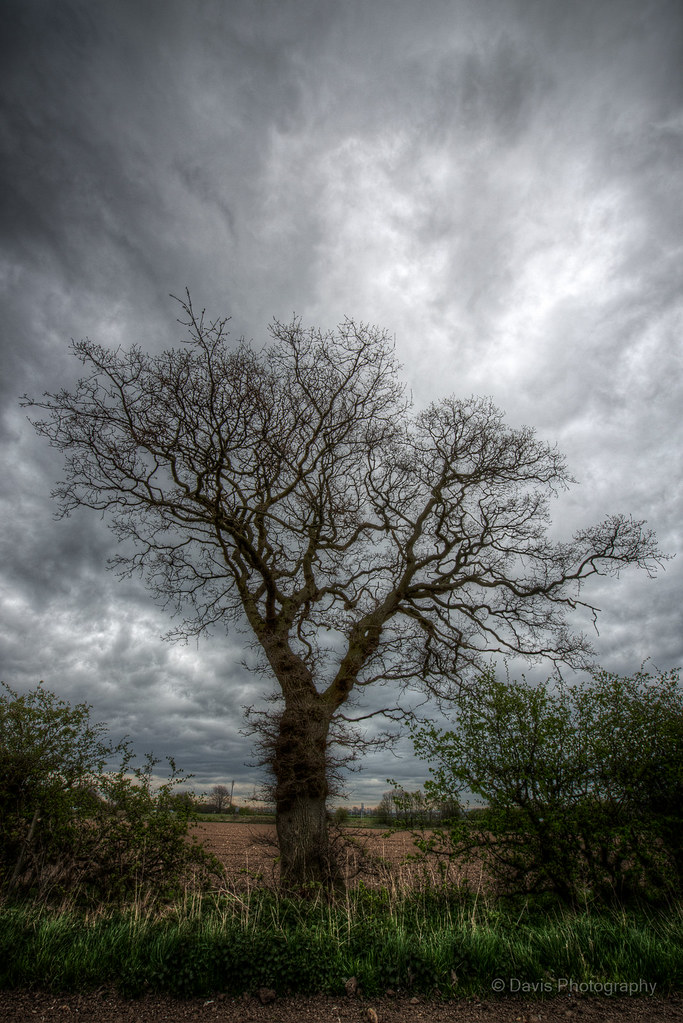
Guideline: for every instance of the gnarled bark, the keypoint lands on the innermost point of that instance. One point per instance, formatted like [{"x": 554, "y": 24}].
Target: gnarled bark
[{"x": 299, "y": 764}]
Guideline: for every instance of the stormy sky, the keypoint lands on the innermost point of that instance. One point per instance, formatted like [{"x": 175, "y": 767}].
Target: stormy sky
[{"x": 498, "y": 183}]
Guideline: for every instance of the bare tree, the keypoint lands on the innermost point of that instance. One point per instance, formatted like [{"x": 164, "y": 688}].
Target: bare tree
[
  {"x": 294, "y": 488},
  {"x": 220, "y": 797}
]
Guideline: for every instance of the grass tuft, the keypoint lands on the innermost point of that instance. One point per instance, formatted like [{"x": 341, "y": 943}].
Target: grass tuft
[{"x": 423, "y": 942}]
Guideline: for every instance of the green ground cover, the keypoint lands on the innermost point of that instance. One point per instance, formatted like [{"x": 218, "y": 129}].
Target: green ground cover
[{"x": 424, "y": 942}]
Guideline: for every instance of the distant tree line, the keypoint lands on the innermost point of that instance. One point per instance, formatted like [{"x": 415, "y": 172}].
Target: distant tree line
[{"x": 401, "y": 808}]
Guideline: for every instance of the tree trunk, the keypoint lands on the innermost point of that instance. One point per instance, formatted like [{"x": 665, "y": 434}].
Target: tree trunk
[{"x": 301, "y": 790}]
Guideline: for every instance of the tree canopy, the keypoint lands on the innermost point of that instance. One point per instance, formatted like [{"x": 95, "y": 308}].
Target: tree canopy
[{"x": 294, "y": 488}]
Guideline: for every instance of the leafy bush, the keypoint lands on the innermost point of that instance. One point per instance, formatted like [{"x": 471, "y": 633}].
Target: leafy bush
[
  {"x": 582, "y": 785},
  {"x": 340, "y": 816},
  {"x": 68, "y": 826}
]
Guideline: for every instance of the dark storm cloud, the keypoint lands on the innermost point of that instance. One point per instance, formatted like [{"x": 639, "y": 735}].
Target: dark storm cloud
[{"x": 498, "y": 184}]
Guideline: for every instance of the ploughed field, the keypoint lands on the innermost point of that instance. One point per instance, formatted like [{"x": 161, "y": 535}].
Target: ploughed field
[{"x": 249, "y": 854}]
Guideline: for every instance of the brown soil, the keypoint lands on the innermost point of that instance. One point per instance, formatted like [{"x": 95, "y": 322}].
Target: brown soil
[
  {"x": 249, "y": 854},
  {"x": 25, "y": 1006}
]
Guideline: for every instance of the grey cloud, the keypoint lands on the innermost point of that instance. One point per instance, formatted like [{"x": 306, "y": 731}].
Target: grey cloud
[{"x": 497, "y": 184}]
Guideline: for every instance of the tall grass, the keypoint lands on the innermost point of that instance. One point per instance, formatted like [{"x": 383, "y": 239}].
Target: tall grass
[{"x": 424, "y": 941}]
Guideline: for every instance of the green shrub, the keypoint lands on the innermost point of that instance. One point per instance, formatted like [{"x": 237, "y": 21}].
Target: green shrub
[
  {"x": 583, "y": 785},
  {"x": 71, "y": 828}
]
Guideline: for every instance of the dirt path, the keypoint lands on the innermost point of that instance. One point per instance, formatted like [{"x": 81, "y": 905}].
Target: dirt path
[{"x": 22, "y": 1007}]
